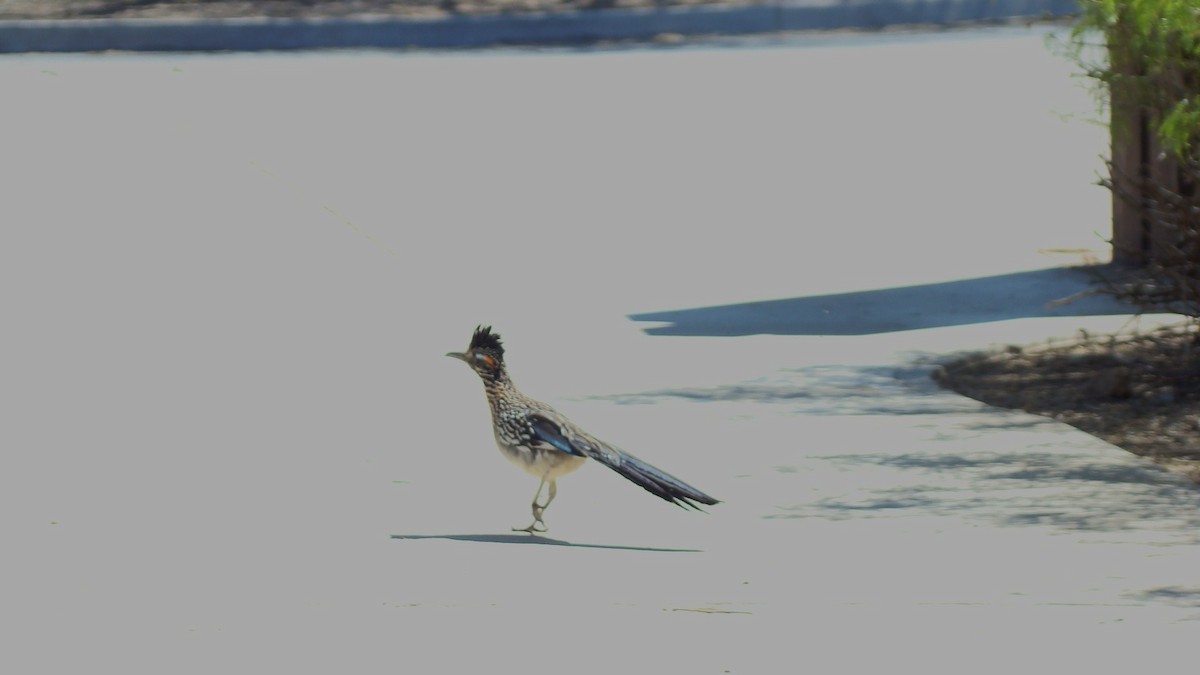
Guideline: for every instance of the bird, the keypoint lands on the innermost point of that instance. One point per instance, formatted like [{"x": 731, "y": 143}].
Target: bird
[{"x": 543, "y": 442}]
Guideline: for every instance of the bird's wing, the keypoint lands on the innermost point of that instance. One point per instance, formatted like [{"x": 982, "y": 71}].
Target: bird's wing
[{"x": 552, "y": 428}]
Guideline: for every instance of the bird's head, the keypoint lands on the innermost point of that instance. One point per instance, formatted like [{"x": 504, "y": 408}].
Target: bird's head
[{"x": 485, "y": 354}]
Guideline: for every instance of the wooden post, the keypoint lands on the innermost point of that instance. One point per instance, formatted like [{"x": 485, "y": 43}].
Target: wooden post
[
  {"x": 1130, "y": 154},
  {"x": 1142, "y": 169},
  {"x": 1129, "y": 135}
]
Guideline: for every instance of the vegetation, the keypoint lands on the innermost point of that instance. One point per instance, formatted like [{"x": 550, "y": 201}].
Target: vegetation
[
  {"x": 1153, "y": 53},
  {"x": 1149, "y": 74}
]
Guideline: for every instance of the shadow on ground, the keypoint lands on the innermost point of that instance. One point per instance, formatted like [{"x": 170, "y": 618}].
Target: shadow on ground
[
  {"x": 1180, "y": 596},
  {"x": 535, "y": 540},
  {"x": 826, "y": 390},
  {"x": 953, "y": 303},
  {"x": 1070, "y": 493}
]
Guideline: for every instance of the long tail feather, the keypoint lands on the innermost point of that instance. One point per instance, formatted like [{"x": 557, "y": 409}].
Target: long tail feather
[{"x": 660, "y": 483}]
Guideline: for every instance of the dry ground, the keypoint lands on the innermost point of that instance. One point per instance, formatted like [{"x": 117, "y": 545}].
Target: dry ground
[{"x": 1141, "y": 392}]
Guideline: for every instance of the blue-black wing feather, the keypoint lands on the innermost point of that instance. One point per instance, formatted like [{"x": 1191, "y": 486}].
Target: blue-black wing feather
[{"x": 547, "y": 430}]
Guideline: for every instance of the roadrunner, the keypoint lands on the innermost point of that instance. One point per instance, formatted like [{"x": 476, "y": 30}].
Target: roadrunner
[{"x": 543, "y": 442}]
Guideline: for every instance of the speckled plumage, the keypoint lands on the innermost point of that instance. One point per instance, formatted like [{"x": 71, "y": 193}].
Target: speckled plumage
[{"x": 543, "y": 442}]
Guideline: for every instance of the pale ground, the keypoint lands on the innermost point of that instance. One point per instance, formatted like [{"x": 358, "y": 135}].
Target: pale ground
[{"x": 232, "y": 442}]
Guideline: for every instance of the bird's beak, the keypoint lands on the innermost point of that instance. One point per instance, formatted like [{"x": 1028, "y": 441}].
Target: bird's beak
[{"x": 458, "y": 355}]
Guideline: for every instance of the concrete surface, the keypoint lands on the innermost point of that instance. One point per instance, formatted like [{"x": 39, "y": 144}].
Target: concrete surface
[
  {"x": 232, "y": 443},
  {"x": 527, "y": 29}
]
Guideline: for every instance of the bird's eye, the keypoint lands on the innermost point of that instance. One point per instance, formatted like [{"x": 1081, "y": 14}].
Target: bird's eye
[{"x": 486, "y": 360}]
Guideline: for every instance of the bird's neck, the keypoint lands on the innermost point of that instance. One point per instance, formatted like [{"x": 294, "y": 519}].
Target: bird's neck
[
  {"x": 501, "y": 394},
  {"x": 499, "y": 383}
]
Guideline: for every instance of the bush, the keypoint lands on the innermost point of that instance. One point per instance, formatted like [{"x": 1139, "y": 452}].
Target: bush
[{"x": 1150, "y": 78}]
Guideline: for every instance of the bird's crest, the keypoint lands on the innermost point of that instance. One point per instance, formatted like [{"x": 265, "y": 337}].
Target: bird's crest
[{"x": 484, "y": 340}]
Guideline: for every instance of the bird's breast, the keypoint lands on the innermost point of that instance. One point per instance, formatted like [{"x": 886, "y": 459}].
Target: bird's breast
[{"x": 543, "y": 462}]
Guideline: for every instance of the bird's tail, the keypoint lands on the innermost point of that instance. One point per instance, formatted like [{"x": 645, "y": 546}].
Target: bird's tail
[{"x": 660, "y": 483}]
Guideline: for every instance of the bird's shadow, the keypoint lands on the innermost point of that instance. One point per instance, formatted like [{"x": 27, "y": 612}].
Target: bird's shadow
[{"x": 538, "y": 540}]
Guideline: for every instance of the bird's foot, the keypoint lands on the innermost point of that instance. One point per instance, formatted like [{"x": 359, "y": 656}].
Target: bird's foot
[{"x": 533, "y": 527}]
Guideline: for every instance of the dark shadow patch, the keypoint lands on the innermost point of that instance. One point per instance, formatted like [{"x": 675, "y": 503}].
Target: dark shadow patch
[
  {"x": 952, "y": 303},
  {"x": 526, "y": 539},
  {"x": 1021, "y": 490},
  {"x": 1179, "y": 596},
  {"x": 824, "y": 389}
]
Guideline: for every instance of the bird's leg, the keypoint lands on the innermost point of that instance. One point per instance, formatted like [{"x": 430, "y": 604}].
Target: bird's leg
[
  {"x": 550, "y": 497},
  {"x": 538, "y": 509},
  {"x": 537, "y": 513}
]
